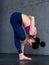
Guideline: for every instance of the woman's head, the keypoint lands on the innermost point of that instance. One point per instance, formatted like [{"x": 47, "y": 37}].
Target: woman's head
[
  {"x": 30, "y": 41},
  {"x": 34, "y": 42}
]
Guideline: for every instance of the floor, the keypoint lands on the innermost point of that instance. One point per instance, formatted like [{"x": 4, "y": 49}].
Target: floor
[{"x": 12, "y": 59}]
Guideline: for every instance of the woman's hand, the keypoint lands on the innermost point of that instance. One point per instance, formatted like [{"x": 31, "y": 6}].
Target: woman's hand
[
  {"x": 33, "y": 32},
  {"x": 30, "y": 41}
]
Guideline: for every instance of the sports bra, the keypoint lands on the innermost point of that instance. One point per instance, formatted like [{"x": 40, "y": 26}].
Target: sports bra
[{"x": 27, "y": 29}]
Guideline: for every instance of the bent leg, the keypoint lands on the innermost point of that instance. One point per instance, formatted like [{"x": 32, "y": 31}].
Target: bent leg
[{"x": 15, "y": 21}]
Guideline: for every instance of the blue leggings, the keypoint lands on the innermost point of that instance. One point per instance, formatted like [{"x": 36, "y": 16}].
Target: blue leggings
[{"x": 19, "y": 33}]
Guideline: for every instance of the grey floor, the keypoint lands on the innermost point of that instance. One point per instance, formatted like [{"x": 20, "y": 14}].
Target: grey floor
[{"x": 12, "y": 59}]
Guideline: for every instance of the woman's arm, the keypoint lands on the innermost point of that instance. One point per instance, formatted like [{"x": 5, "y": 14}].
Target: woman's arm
[{"x": 33, "y": 30}]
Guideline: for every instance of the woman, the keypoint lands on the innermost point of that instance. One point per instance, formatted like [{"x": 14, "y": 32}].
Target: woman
[{"x": 18, "y": 20}]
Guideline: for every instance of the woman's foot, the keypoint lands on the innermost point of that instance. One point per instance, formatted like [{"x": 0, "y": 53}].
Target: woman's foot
[{"x": 22, "y": 57}]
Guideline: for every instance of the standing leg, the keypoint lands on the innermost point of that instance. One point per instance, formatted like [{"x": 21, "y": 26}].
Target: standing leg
[
  {"x": 15, "y": 21},
  {"x": 20, "y": 51},
  {"x": 17, "y": 43}
]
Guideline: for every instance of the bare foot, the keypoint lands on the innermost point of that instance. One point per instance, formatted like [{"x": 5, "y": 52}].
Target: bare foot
[{"x": 22, "y": 57}]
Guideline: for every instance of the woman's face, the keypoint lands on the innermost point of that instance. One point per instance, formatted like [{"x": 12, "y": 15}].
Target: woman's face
[{"x": 31, "y": 41}]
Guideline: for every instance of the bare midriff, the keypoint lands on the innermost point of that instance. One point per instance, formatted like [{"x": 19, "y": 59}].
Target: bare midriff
[{"x": 25, "y": 20}]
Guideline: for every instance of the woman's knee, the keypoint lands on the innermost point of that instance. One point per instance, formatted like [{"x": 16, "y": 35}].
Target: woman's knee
[
  {"x": 16, "y": 16},
  {"x": 13, "y": 17}
]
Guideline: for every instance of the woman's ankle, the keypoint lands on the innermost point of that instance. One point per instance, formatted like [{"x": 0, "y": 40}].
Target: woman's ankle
[{"x": 21, "y": 54}]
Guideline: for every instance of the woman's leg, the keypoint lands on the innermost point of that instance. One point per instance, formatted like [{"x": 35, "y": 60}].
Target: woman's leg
[
  {"x": 17, "y": 43},
  {"x": 23, "y": 44},
  {"x": 20, "y": 50},
  {"x": 16, "y": 24}
]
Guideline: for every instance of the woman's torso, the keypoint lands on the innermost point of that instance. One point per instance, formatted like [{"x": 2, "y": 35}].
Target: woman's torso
[{"x": 25, "y": 20}]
